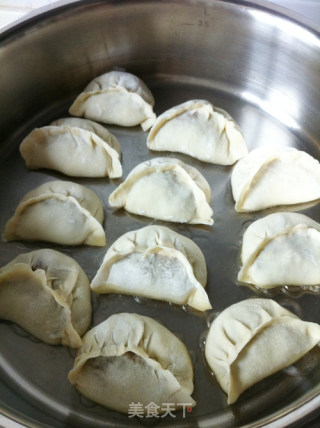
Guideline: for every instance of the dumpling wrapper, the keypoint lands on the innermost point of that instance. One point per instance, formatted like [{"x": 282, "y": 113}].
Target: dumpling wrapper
[
  {"x": 281, "y": 249},
  {"x": 157, "y": 263},
  {"x": 271, "y": 177},
  {"x": 131, "y": 358},
  {"x": 254, "y": 339},
  {"x": 62, "y": 212},
  {"x": 48, "y": 294},
  {"x": 166, "y": 189},
  {"x": 75, "y": 147},
  {"x": 200, "y": 130},
  {"x": 118, "y": 98}
]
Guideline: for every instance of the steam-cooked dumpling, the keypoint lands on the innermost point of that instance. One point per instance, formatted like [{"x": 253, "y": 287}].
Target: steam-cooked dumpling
[
  {"x": 158, "y": 263},
  {"x": 118, "y": 98},
  {"x": 58, "y": 211},
  {"x": 129, "y": 359},
  {"x": 48, "y": 294},
  {"x": 198, "y": 129},
  {"x": 271, "y": 177},
  {"x": 281, "y": 249},
  {"x": 166, "y": 189},
  {"x": 75, "y": 147},
  {"x": 253, "y": 339}
]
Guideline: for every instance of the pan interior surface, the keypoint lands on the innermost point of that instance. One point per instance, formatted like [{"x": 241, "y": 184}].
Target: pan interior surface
[{"x": 252, "y": 61}]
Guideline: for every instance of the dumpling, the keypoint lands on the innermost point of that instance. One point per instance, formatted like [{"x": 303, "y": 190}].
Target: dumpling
[
  {"x": 131, "y": 358},
  {"x": 198, "y": 129},
  {"x": 75, "y": 147},
  {"x": 166, "y": 189},
  {"x": 61, "y": 212},
  {"x": 118, "y": 98},
  {"x": 48, "y": 294},
  {"x": 155, "y": 262},
  {"x": 281, "y": 249},
  {"x": 270, "y": 177},
  {"x": 253, "y": 339}
]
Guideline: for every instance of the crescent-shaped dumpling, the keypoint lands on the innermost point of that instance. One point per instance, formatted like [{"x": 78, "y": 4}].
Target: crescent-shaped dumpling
[
  {"x": 48, "y": 294},
  {"x": 281, "y": 249},
  {"x": 166, "y": 189},
  {"x": 61, "y": 212},
  {"x": 158, "y": 263},
  {"x": 253, "y": 339},
  {"x": 271, "y": 177},
  {"x": 131, "y": 358},
  {"x": 118, "y": 98},
  {"x": 200, "y": 130},
  {"x": 75, "y": 147}
]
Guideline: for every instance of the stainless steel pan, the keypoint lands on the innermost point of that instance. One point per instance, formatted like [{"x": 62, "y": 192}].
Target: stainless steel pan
[{"x": 244, "y": 56}]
